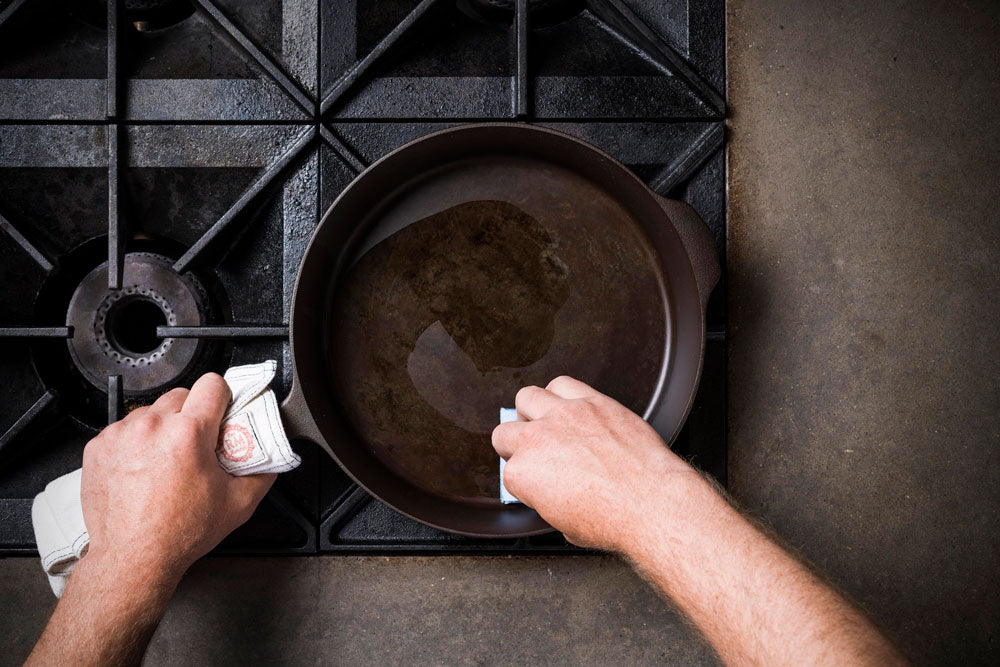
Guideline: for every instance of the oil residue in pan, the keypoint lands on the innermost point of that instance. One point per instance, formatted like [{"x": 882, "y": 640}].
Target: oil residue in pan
[{"x": 439, "y": 322}]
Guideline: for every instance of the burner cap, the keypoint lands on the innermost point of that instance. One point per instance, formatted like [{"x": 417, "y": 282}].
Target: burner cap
[{"x": 114, "y": 331}]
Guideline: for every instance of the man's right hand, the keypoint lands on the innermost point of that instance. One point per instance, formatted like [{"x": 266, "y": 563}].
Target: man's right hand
[
  {"x": 589, "y": 466},
  {"x": 602, "y": 476}
]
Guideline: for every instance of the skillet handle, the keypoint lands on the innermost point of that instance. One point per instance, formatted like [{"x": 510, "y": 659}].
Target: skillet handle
[
  {"x": 297, "y": 419},
  {"x": 698, "y": 242}
]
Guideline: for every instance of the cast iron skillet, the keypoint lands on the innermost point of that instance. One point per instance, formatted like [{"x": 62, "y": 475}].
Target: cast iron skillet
[{"x": 682, "y": 247}]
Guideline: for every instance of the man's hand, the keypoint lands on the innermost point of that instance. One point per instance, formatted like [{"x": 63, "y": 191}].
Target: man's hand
[
  {"x": 154, "y": 499},
  {"x": 603, "y": 477},
  {"x": 153, "y": 491},
  {"x": 586, "y": 463}
]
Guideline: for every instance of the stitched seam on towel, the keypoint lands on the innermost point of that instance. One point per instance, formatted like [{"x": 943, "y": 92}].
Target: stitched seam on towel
[
  {"x": 277, "y": 437},
  {"x": 54, "y": 556},
  {"x": 285, "y": 446},
  {"x": 246, "y": 396},
  {"x": 280, "y": 438},
  {"x": 50, "y": 559},
  {"x": 41, "y": 506},
  {"x": 85, "y": 536},
  {"x": 252, "y": 370},
  {"x": 255, "y": 428},
  {"x": 60, "y": 551},
  {"x": 246, "y": 400},
  {"x": 58, "y": 554},
  {"x": 271, "y": 419},
  {"x": 254, "y": 373}
]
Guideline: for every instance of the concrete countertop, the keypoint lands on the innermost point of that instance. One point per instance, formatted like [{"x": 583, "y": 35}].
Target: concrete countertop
[
  {"x": 864, "y": 384},
  {"x": 864, "y": 377}
]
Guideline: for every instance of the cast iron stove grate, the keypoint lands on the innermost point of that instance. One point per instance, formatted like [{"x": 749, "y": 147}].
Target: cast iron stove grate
[{"x": 163, "y": 163}]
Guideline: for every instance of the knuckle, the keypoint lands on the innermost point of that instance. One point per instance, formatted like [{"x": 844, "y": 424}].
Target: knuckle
[
  {"x": 136, "y": 412},
  {"x": 525, "y": 393},
  {"x": 590, "y": 405},
  {"x": 557, "y": 382},
  {"x": 604, "y": 401},
  {"x": 566, "y": 410},
  {"x": 91, "y": 451},
  {"x": 110, "y": 432},
  {"x": 180, "y": 392},
  {"x": 145, "y": 424}
]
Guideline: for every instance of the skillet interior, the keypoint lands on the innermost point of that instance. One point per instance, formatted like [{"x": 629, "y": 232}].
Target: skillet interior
[{"x": 483, "y": 276}]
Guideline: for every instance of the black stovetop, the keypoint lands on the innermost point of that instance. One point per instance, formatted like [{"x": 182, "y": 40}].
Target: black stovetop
[{"x": 193, "y": 145}]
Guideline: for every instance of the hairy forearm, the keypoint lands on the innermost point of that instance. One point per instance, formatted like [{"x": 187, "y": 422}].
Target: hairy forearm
[
  {"x": 753, "y": 600},
  {"x": 107, "y": 613}
]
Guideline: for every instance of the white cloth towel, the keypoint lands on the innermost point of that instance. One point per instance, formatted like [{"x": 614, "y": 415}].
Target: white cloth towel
[
  {"x": 506, "y": 415},
  {"x": 251, "y": 441}
]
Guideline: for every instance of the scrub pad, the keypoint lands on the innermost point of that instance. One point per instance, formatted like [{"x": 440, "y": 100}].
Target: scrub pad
[{"x": 506, "y": 415}]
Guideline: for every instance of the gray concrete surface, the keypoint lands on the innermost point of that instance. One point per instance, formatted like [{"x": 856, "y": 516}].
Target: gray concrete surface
[
  {"x": 382, "y": 611},
  {"x": 864, "y": 295},
  {"x": 864, "y": 378}
]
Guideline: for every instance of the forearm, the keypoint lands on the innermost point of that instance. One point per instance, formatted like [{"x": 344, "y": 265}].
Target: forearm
[
  {"x": 107, "y": 614},
  {"x": 753, "y": 601}
]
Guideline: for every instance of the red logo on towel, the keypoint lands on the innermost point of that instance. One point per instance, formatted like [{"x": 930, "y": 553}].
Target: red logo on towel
[{"x": 235, "y": 443}]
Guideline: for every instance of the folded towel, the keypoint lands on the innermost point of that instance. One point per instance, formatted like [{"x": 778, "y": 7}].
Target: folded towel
[
  {"x": 251, "y": 441},
  {"x": 60, "y": 533},
  {"x": 251, "y": 438},
  {"x": 506, "y": 415}
]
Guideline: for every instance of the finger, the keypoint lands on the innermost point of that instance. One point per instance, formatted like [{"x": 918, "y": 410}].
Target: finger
[
  {"x": 208, "y": 399},
  {"x": 131, "y": 416},
  {"x": 171, "y": 402},
  {"x": 507, "y": 437},
  {"x": 535, "y": 402},
  {"x": 512, "y": 479},
  {"x": 570, "y": 388}
]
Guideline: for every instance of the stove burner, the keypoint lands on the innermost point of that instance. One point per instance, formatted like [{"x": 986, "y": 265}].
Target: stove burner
[
  {"x": 114, "y": 332},
  {"x": 541, "y": 13}
]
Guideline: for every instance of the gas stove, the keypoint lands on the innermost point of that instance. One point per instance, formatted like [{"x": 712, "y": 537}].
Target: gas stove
[{"x": 163, "y": 163}]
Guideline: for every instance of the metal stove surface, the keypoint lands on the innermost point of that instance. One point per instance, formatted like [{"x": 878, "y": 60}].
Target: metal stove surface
[{"x": 163, "y": 163}]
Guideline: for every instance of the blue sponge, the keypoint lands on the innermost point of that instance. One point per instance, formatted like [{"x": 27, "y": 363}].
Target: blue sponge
[{"x": 506, "y": 415}]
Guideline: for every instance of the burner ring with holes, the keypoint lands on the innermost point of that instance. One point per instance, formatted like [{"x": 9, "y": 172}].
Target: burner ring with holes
[
  {"x": 124, "y": 348},
  {"x": 114, "y": 331}
]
